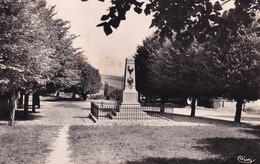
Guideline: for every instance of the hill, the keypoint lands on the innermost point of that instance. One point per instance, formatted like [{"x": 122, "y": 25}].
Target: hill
[{"x": 112, "y": 80}]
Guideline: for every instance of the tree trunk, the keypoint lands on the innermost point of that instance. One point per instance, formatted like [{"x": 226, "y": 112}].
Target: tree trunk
[
  {"x": 58, "y": 94},
  {"x": 38, "y": 102},
  {"x": 238, "y": 110},
  {"x": 193, "y": 107},
  {"x": 84, "y": 96},
  {"x": 20, "y": 104},
  {"x": 162, "y": 109},
  {"x": 73, "y": 95},
  {"x": 4, "y": 105},
  {"x": 26, "y": 104},
  {"x": 13, "y": 106},
  {"x": 33, "y": 102}
]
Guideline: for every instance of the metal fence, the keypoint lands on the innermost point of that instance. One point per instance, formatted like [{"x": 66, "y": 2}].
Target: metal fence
[
  {"x": 104, "y": 102},
  {"x": 94, "y": 110},
  {"x": 104, "y": 110}
]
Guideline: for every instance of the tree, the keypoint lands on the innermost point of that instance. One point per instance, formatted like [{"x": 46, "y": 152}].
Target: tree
[
  {"x": 164, "y": 72},
  {"x": 200, "y": 20},
  {"x": 204, "y": 70},
  {"x": 90, "y": 80},
  {"x": 35, "y": 50},
  {"x": 64, "y": 72},
  {"x": 19, "y": 49},
  {"x": 240, "y": 67},
  {"x": 106, "y": 90},
  {"x": 116, "y": 94}
]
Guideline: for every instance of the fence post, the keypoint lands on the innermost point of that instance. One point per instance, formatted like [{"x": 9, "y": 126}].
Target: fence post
[
  {"x": 97, "y": 111},
  {"x": 94, "y": 110}
]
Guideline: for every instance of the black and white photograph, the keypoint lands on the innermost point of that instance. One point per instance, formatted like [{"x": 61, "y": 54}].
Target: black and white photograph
[{"x": 130, "y": 81}]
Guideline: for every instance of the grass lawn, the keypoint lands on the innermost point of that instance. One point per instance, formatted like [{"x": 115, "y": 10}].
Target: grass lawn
[
  {"x": 163, "y": 144},
  {"x": 26, "y": 144}
]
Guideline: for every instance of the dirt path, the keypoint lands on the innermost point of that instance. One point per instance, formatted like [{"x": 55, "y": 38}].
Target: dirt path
[
  {"x": 63, "y": 114},
  {"x": 61, "y": 152},
  {"x": 60, "y": 113}
]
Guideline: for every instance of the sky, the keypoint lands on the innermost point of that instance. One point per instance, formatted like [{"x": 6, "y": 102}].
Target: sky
[{"x": 106, "y": 53}]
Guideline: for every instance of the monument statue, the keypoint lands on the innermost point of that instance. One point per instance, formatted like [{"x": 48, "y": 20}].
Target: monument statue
[
  {"x": 130, "y": 80},
  {"x": 130, "y": 95}
]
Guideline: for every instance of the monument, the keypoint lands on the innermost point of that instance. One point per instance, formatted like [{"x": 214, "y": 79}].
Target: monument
[
  {"x": 130, "y": 95},
  {"x": 130, "y": 108}
]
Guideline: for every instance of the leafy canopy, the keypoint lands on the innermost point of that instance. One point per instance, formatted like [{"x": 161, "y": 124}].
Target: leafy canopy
[{"x": 188, "y": 19}]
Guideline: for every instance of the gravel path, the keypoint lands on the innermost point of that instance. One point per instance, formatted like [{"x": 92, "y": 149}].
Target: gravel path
[{"x": 60, "y": 113}]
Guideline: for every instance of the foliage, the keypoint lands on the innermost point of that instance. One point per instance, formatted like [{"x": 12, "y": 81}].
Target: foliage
[
  {"x": 27, "y": 56},
  {"x": 241, "y": 65},
  {"x": 37, "y": 53},
  {"x": 115, "y": 94},
  {"x": 18, "y": 47},
  {"x": 89, "y": 78},
  {"x": 203, "y": 70},
  {"x": 36, "y": 49},
  {"x": 186, "y": 20},
  {"x": 106, "y": 87},
  {"x": 97, "y": 97},
  {"x": 163, "y": 71}
]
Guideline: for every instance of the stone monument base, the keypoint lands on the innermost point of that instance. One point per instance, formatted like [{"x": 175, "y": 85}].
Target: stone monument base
[
  {"x": 130, "y": 97},
  {"x": 132, "y": 112}
]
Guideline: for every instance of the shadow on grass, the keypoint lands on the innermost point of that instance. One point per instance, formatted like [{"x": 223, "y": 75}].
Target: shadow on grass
[
  {"x": 154, "y": 160},
  {"x": 156, "y": 115},
  {"x": 232, "y": 148},
  {"x": 242, "y": 118},
  {"x": 19, "y": 116},
  {"x": 82, "y": 118},
  {"x": 227, "y": 149},
  {"x": 55, "y": 99},
  {"x": 67, "y": 105},
  {"x": 255, "y": 130},
  {"x": 185, "y": 118},
  {"x": 86, "y": 108}
]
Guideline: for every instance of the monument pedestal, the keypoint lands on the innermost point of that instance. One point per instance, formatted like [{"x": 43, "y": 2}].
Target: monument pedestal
[{"x": 130, "y": 97}]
